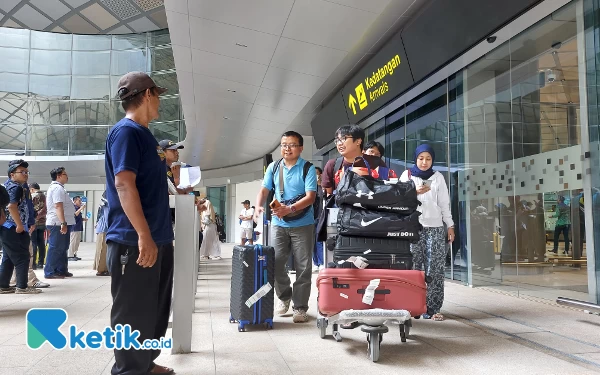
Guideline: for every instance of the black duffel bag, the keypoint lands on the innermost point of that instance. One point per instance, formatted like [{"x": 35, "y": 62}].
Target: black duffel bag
[
  {"x": 370, "y": 193},
  {"x": 353, "y": 221}
]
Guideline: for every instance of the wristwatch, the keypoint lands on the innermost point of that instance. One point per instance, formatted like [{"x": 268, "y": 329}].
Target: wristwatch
[
  {"x": 293, "y": 209},
  {"x": 65, "y": 224}
]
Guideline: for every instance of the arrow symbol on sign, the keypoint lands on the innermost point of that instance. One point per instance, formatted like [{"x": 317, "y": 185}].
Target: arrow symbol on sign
[{"x": 352, "y": 103}]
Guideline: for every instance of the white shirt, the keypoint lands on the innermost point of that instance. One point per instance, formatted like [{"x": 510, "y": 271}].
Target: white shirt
[
  {"x": 435, "y": 204},
  {"x": 58, "y": 194},
  {"x": 247, "y": 224}
]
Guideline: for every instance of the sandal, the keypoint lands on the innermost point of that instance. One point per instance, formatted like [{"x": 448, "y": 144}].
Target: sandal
[
  {"x": 436, "y": 317},
  {"x": 162, "y": 370}
]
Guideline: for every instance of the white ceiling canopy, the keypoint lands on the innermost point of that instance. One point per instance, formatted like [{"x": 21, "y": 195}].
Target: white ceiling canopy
[
  {"x": 84, "y": 16},
  {"x": 248, "y": 70}
]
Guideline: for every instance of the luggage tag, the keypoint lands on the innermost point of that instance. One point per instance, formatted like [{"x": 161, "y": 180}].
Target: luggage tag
[
  {"x": 370, "y": 291},
  {"x": 359, "y": 262}
]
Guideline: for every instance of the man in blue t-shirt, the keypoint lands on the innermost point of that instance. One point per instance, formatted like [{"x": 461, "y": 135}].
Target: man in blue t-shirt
[
  {"x": 14, "y": 233},
  {"x": 139, "y": 236},
  {"x": 293, "y": 223}
]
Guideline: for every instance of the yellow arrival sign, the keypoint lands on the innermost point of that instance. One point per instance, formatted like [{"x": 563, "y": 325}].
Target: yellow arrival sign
[{"x": 374, "y": 90}]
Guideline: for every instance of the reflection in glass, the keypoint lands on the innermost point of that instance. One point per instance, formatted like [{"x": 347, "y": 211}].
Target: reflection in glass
[
  {"x": 10, "y": 37},
  {"x": 161, "y": 58},
  {"x": 165, "y": 130},
  {"x": 88, "y": 87},
  {"x": 48, "y": 138},
  {"x": 51, "y": 41},
  {"x": 167, "y": 80},
  {"x": 129, "y": 41},
  {"x": 89, "y": 138},
  {"x": 91, "y": 63},
  {"x": 90, "y": 113},
  {"x": 12, "y": 137},
  {"x": 91, "y": 42},
  {"x": 14, "y": 83},
  {"x": 64, "y": 104},
  {"x": 50, "y": 86},
  {"x": 13, "y": 109},
  {"x": 14, "y": 60},
  {"x": 50, "y": 62},
  {"x": 47, "y": 112},
  {"x": 169, "y": 109}
]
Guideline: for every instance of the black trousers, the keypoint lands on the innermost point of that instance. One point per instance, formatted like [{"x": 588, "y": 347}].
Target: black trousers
[
  {"x": 15, "y": 257},
  {"x": 39, "y": 245},
  {"x": 142, "y": 299}
]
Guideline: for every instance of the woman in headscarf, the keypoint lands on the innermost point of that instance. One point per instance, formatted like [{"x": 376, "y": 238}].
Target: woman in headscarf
[
  {"x": 211, "y": 246},
  {"x": 429, "y": 253}
]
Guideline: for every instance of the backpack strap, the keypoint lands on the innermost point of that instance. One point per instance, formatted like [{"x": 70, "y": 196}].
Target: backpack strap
[
  {"x": 274, "y": 170},
  {"x": 338, "y": 164},
  {"x": 307, "y": 166}
]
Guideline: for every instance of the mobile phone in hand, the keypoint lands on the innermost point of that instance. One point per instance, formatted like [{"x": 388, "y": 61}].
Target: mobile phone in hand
[
  {"x": 427, "y": 183},
  {"x": 274, "y": 204}
]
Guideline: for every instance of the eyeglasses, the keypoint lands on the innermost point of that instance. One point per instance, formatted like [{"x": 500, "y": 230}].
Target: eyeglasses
[
  {"x": 341, "y": 140},
  {"x": 23, "y": 172},
  {"x": 290, "y": 146}
]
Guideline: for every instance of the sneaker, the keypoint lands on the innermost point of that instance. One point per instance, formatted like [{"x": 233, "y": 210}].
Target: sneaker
[
  {"x": 72, "y": 259},
  {"x": 78, "y": 258},
  {"x": 9, "y": 290},
  {"x": 40, "y": 284},
  {"x": 216, "y": 258},
  {"x": 68, "y": 274},
  {"x": 282, "y": 307},
  {"x": 28, "y": 290},
  {"x": 321, "y": 267},
  {"x": 300, "y": 316}
]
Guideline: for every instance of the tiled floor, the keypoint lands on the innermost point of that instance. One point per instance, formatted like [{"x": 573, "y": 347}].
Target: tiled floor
[{"x": 486, "y": 333}]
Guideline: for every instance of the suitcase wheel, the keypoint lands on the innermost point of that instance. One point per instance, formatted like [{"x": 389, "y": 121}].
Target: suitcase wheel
[
  {"x": 241, "y": 328},
  {"x": 322, "y": 326},
  {"x": 231, "y": 320},
  {"x": 374, "y": 345},
  {"x": 269, "y": 325}
]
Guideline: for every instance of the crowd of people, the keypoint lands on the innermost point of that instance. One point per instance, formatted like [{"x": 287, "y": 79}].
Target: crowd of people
[
  {"x": 39, "y": 231},
  {"x": 294, "y": 217}
]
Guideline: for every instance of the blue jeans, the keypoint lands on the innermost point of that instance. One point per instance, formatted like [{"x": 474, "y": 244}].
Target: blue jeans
[
  {"x": 58, "y": 245},
  {"x": 318, "y": 254},
  {"x": 15, "y": 256}
]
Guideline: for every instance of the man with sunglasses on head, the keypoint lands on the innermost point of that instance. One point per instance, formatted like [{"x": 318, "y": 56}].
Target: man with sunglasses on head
[
  {"x": 14, "y": 233},
  {"x": 59, "y": 220}
]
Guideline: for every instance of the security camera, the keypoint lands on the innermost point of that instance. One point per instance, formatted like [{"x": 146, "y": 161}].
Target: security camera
[
  {"x": 491, "y": 39},
  {"x": 550, "y": 75}
]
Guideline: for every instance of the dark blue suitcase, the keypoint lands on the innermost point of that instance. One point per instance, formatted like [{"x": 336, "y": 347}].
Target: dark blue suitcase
[{"x": 252, "y": 268}]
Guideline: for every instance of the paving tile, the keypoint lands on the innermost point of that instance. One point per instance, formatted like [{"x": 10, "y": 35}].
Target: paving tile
[{"x": 560, "y": 343}]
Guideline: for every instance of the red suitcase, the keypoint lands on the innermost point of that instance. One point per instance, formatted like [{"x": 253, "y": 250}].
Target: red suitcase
[{"x": 343, "y": 289}]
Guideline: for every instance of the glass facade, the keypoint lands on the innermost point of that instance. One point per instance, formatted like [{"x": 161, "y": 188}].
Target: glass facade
[
  {"x": 57, "y": 91},
  {"x": 511, "y": 135}
]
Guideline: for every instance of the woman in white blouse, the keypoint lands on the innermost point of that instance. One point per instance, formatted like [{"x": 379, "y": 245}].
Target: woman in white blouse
[{"x": 429, "y": 254}]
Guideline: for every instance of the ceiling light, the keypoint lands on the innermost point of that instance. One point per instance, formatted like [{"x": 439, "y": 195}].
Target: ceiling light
[
  {"x": 231, "y": 90},
  {"x": 241, "y": 45},
  {"x": 225, "y": 118}
]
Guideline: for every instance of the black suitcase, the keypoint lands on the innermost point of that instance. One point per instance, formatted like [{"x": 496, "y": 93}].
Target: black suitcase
[
  {"x": 253, "y": 267},
  {"x": 384, "y": 253}
]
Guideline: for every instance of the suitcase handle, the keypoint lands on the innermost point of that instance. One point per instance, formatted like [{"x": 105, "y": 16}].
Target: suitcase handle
[{"x": 381, "y": 291}]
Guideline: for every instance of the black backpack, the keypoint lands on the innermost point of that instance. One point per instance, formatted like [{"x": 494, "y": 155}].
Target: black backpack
[{"x": 271, "y": 195}]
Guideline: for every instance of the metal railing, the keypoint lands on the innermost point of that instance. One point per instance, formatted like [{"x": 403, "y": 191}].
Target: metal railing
[{"x": 592, "y": 307}]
